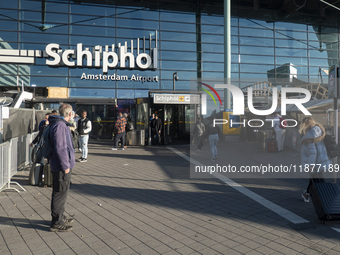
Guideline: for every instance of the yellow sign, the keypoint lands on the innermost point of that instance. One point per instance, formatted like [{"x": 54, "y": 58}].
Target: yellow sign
[
  {"x": 57, "y": 92},
  {"x": 227, "y": 128},
  {"x": 181, "y": 98}
]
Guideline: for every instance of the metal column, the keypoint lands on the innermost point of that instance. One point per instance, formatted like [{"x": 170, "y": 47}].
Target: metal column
[{"x": 227, "y": 53}]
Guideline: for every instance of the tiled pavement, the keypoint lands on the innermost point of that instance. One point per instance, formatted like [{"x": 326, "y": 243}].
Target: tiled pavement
[{"x": 142, "y": 201}]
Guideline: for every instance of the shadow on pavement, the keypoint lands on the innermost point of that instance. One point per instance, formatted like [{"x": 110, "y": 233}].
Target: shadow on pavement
[{"x": 25, "y": 223}]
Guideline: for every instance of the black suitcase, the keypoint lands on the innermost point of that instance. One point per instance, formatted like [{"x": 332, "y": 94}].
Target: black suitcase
[
  {"x": 35, "y": 176},
  {"x": 326, "y": 200},
  {"x": 48, "y": 177}
]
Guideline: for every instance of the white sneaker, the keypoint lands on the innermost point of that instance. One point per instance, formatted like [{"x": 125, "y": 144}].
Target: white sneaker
[{"x": 305, "y": 196}]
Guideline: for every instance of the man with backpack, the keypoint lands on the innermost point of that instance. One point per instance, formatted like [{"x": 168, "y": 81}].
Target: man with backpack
[
  {"x": 42, "y": 125},
  {"x": 280, "y": 131},
  {"x": 35, "y": 158},
  {"x": 62, "y": 161}
]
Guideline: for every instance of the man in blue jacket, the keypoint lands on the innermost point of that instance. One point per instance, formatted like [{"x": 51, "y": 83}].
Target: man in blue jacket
[{"x": 62, "y": 161}]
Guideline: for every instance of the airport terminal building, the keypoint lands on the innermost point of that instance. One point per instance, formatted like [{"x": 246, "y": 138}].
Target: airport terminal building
[{"x": 99, "y": 54}]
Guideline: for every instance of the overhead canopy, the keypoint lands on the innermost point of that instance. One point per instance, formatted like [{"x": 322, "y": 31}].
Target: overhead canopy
[{"x": 320, "y": 104}]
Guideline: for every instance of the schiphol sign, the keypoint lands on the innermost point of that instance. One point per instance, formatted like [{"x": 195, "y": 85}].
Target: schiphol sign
[
  {"x": 107, "y": 59},
  {"x": 101, "y": 57}
]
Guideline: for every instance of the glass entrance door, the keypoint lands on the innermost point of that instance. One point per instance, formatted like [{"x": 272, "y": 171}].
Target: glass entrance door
[{"x": 176, "y": 128}]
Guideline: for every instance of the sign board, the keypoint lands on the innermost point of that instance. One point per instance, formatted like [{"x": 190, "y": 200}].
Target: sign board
[
  {"x": 105, "y": 57},
  {"x": 333, "y": 82},
  {"x": 57, "y": 92},
  {"x": 176, "y": 99}
]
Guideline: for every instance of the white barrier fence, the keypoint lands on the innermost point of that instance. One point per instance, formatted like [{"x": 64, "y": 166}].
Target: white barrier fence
[{"x": 14, "y": 156}]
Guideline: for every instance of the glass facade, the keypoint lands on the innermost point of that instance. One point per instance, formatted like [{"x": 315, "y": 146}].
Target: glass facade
[{"x": 190, "y": 42}]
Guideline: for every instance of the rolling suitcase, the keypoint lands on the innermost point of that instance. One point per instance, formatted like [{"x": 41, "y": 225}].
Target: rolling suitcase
[
  {"x": 35, "y": 176},
  {"x": 271, "y": 145},
  {"x": 48, "y": 177},
  {"x": 326, "y": 200}
]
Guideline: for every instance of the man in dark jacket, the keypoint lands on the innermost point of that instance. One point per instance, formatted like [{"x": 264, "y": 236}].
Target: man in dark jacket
[
  {"x": 156, "y": 127},
  {"x": 42, "y": 125},
  {"x": 62, "y": 161}
]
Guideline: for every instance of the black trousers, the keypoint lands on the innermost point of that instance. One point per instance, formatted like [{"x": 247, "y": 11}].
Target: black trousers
[
  {"x": 156, "y": 137},
  {"x": 118, "y": 137},
  {"x": 61, "y": 185}
]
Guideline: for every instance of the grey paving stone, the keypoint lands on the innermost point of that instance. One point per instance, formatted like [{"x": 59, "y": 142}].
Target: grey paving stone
[
  {"x": 173, "y": 252},
  {"x": 66, "y": 252},
  {"x": 150, "y": 206},
  {"x": 253, "y": 252},
  {"x": 46, "y": 251},
  {"x": 162, "y": 249},
  {"x": 185, "y": 250},
  {"x": 4, "y": 249},
  {"x": 20, "y": 250}
]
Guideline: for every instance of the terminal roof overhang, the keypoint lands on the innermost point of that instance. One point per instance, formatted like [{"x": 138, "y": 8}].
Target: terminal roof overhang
[
  {"x": 89, "y": 101},
  {"x": 298, "y": 11}
]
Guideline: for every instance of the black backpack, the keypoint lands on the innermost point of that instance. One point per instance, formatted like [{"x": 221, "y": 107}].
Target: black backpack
[
  {"x": 331, "y": 146},
  {"x": 43, "y": 149}
]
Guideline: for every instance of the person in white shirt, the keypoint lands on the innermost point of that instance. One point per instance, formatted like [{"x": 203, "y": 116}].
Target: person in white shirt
[
  {"x": 84, "y": 128},
  {"x": 280, "y": 132}
]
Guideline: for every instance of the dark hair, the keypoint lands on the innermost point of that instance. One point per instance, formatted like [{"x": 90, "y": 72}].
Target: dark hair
[{"x": 54, "y": 111}]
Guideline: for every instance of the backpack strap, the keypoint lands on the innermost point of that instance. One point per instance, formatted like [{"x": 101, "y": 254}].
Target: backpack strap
[
  {"x": 312, "y": 140},
  {"x": 308, "y": 140}
]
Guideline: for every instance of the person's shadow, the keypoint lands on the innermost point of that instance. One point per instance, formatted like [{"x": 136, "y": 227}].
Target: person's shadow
[{"x": 25, "y": 223}]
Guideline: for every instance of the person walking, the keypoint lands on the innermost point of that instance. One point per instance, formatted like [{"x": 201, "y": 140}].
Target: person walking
[
  {"x": 62, "y": 161},
  {"x": 213, "y": 132},
  {"x": 84, "y": 129},
  {"x": 198, "y": 132},
  {"x": 280, "y": 132},
  {"x": 156, "y": 129},
  {"x": 313, "y": 151},
  {"x": 120, "y": 127}
]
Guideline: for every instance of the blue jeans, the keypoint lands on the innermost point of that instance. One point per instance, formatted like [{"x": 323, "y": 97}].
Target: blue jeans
[
  {"x": 213, "y": 139},
  {"x": 118, "y": 137},
  {"x": 83, "y": 140}
]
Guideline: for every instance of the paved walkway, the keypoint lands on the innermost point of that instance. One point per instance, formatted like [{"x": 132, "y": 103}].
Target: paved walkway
[{"x": 142, "y": 201}]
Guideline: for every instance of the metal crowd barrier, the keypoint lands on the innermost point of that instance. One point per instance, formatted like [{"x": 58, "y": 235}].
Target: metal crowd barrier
[{"x": 15, "y": 155}]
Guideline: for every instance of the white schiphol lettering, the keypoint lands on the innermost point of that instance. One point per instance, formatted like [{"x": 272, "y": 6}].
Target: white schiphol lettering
[{"x": 109, "y": 59}]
